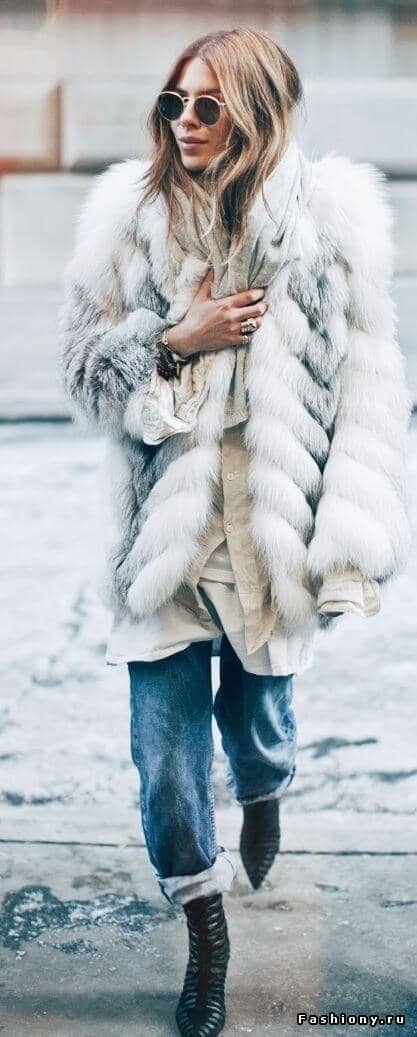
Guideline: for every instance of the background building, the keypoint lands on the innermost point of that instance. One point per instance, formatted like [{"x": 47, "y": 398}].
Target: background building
[{"x": 76, "y": 83}]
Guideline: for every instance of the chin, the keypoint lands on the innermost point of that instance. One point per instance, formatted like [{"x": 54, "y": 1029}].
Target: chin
[{"x": 193, "y": 165}]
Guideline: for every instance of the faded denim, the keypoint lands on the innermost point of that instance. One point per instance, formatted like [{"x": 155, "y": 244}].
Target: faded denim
[{"x": 172, "y": 747}]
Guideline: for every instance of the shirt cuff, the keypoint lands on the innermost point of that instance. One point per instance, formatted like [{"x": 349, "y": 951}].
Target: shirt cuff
[{"x": 347, "y": 591}]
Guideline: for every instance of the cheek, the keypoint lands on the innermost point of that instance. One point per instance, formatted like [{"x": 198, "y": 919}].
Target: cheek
[{"x": 221, "y": 133}]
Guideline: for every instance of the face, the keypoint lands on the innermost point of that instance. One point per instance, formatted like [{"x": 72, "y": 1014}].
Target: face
[{"x": 198, "y": 143}]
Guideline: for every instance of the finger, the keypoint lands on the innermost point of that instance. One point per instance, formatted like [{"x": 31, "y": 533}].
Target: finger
[
  {"x": 205, "y": 286},
  {"x": 238, "y": 327},
  {"x": 249, "y": 311},
  {"x": 248, "y": 298}
]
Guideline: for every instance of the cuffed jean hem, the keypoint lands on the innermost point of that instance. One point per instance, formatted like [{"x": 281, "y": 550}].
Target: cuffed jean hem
[
  {"x": 275, "y": 794},
  {"x": 179, "y": 889}
]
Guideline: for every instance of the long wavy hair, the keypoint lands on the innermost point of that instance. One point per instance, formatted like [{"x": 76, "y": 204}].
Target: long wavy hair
[{"x": 261, "y": 87}]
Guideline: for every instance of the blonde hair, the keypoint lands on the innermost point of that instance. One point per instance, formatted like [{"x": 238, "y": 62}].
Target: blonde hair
[{"x": 261, "y": 86}]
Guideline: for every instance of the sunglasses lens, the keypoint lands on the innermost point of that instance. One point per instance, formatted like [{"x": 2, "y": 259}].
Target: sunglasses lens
[
  {"x": 207, "y": 109},
  {"x": 169, "y": 106}
]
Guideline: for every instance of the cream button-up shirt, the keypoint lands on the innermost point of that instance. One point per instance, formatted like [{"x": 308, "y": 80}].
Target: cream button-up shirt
[{"x": 230, "y": 526}]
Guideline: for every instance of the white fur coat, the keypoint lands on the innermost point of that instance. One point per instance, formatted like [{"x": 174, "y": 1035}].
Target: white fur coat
[{"x": 328, "y": 403}]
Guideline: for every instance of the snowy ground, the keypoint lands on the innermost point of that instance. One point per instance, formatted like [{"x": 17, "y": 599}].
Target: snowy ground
[{"x": 66, "y": 775}]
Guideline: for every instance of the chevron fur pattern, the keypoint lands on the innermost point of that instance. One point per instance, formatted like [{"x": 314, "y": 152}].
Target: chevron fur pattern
[{"x": 325, "y": 379}]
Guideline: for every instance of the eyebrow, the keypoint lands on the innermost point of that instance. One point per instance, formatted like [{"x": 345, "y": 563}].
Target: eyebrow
[{"x": 214, "y": 90}]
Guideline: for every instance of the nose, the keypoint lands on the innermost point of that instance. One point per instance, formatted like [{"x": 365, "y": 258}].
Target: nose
[{"x": 189, "y": 116}]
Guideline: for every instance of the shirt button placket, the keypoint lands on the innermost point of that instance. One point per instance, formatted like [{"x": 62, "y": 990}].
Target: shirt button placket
[{"x": 228, "y": 476}]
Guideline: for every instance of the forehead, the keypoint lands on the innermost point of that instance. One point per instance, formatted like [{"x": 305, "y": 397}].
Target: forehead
[{"x": 198, "y": 76}]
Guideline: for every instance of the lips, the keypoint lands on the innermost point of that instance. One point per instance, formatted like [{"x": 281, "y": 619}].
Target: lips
[{"x": 190, "y": 140}]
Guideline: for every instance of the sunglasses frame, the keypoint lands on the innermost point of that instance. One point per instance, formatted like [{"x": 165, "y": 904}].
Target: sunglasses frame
[{"x": 173, "y": 93}]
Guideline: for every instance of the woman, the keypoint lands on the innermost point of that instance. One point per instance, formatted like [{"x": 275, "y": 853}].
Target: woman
[{"x": 229, "y": 325}]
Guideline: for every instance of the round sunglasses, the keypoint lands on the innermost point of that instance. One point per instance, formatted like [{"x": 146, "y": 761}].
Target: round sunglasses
[{"x": 171, "y": 106}]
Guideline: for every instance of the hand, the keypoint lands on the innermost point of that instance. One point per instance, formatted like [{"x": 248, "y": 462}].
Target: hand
[{"x": 212, "y": 324}]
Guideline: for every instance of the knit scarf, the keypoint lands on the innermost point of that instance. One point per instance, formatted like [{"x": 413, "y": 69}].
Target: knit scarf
[{"x": 269, "y": 245}]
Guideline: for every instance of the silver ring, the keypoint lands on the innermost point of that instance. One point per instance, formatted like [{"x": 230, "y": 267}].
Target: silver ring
[
  {"x": 245, "y": 339},
  {"x": 248, "y": 326}
]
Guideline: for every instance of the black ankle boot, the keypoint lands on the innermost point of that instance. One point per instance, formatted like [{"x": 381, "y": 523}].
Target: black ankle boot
[
  {"x": 259, "y": 838},
  {"x": 201, "y": 1009}
]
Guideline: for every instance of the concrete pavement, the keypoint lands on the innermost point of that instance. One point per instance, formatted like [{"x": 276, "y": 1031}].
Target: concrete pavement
[
  {"x": 88, "y": 944},
  {"x": 92, "y": 949}
]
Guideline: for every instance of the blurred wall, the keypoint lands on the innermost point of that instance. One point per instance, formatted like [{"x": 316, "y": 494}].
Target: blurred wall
[{"x": 76, "y": 83}]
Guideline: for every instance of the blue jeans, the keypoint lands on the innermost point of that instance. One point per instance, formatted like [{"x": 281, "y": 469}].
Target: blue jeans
[{"x": 172, "y": 747}]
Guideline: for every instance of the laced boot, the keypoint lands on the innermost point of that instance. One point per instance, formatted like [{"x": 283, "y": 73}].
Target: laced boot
[
  {"x": 259, "y": 838},
  {"x": 201, "y": 1008}
]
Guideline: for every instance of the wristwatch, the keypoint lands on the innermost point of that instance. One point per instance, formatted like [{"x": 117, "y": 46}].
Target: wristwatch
[{"x": 168, "y": 363}]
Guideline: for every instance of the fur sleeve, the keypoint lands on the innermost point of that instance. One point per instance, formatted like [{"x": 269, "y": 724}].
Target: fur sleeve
[
  {"x": 362, "y": 516},
  {"x": 107, "y": 343}
]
